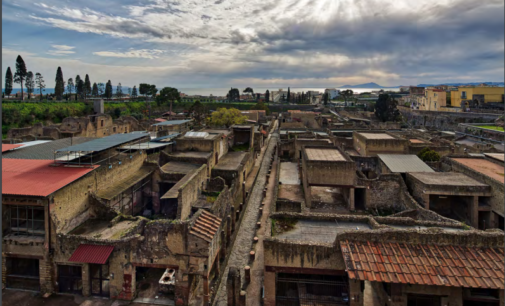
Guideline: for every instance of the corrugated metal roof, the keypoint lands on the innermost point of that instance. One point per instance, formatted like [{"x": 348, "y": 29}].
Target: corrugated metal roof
[
  {"x": 104, "y": 143},
  {"x": 172, "y": 122},
  {"x": 399, "y": 163},
  {"x": 37, "y": 177},
  {"x": 93, "y": 254},
  {"x": 419, "y": 264},
  {"x": 206, "y": 226},
  {"x": 165, "y": 138},
  {"x": 46, "y": 150},
  {"x": 8, "y": 147},
  {"x": 121, "y": 186}
]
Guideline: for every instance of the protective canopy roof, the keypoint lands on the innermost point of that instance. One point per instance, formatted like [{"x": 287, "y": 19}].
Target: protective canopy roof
[{"x": 105, "y": 143}]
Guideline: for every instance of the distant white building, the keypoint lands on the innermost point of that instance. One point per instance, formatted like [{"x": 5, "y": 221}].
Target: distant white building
[
  {"x": 332, "y": 93},
  {"x": 276, "y": 95}
]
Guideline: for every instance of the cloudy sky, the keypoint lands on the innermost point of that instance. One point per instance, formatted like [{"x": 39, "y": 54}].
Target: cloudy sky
[{"x": 259, "y": 43}]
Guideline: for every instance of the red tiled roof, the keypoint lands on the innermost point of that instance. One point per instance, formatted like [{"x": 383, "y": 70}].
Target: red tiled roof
[
  {"x": 8, "y": 147},
  {"x": 90, "y": 253},
  {"x": 37, "y": 177},
  {"x": 455, "y": 266},
  {"x": 206, "y": 226}
]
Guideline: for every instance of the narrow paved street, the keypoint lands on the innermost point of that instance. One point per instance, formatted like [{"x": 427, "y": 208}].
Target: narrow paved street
[{"x": 243, "y": 244}]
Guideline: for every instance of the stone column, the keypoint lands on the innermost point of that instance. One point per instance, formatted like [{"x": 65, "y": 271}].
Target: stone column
[
  {"x": 206, "y": 296},
  {"x": 474, "y": 211},
  {"x": 355, "y": 294},
  {"x": 86, "y": 290},
  {"x": 426, "y": 199},
  {"x": 269, "y": 285},
  {"x": 233, "y": 286}
]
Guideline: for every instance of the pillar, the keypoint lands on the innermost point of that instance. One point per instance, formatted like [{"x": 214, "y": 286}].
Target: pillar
[
  {"x": 474, "y": 211},
  {"x": 206, "y": 296},
  {"x": 86, "y": 290},
  {"x": 355, "y": 294},
  {"x": 426, "y": 199},
  {"x": 233, "y": 286},
  {"x": 269, "y": 285},
  {"x": 351, "y": 199}
]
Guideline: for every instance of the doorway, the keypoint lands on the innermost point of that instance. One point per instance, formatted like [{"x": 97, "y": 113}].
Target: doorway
[
  {"x": 70, "y": 279},
  {"x": 99, "y": 280},
  {"x": 359, "y": 199},
  {"x": 423, "y": 300}
]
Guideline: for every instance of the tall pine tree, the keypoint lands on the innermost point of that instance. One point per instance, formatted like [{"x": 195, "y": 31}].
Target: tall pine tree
[
  {"x": 77, "y": 90},
  {"x": 59, "y": 87},
  {"x": 20, "y": 75},
  {"x": 30, "y": 84},
  {"x": 267, "y": 96},
  {"x": 289, "y": 95},
  {"x": 70, "y": 86},
  {"x": 134, "y": 92},
  {"x": 39, "y": 80},
  {"x": 94, "y": 91},
  {"x": 87, "y": 87},
  {"x": 8, "y": 81},
  {"x": 108, "y": 90}
]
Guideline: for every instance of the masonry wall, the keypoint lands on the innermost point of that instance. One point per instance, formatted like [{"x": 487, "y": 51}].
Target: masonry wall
[
  {"x": 329, "y": 173},
  {"x": 190, "y": 191},
  {"x": 69, "y": 205}
]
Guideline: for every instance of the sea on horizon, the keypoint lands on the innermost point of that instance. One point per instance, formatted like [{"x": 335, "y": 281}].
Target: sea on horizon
[{"x": 222, "y": 91}]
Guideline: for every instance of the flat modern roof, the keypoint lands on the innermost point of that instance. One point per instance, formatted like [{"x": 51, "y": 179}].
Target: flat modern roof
[
  {"x": 376, "y": 136},
  {"x": 172, "y": 122},
  {"x": 329, "y": 154},
  {"x": 231, "y": 161},
  {"x": 45, "y": 150},
  {"x": 100, "y": 144},
  {"x": 8, "y": 147},
  {"x": 146, "y": 145},
  {"x": 192, "y": 154},
  {"x": 483, "y": 166},
  {"x": 446, "y": 179},
  {"x": 400, "y": 163},
  {"x": 37, "y": 177}
]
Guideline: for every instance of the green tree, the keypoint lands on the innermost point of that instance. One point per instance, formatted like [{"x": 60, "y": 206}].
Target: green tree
[
  {"x": 289, "y": 95},
  {"x": 108, "y": 90},
  {"x": 169, "y": 94},
  {"x": 199, "y": 112},
  {"x": 20, "y": 75},
  {"x": 428, "y": 155},
  {"x": 267, "y": 96},
  {"x": 39, "y": 80},
  {"x": 134, "y": 92},
  {"x": 152, "y": 90},
  {"x": 261, "y": 106},
  {"x": 78, "y": 90},
  {"x": 30, "y": 84},
  {"x": 346, "y": 94},
  {"x": 386, "y": 108},
  {"x": 227, "y": 117},
  {"x": 325, "y": 97},
  {"x": 8, "y": 81},
  {"x": 119, "y": 91},
  {"x": 144, "y": 89},
  {"x": 59, "y": 87},
  {"x": 87, "y": 87},
  {"x": 233, "y": 95},
  {"x": 101, "y": 89},
  {"x": 94, "y": 90},
  {"x": 70, "y": 86},
  {"x": 249, "y": 90}
]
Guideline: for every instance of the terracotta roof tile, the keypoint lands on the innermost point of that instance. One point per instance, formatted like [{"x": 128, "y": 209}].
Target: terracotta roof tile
[
  {"x": 206, "y": 226},
  {"x": 454, "y": 266}
]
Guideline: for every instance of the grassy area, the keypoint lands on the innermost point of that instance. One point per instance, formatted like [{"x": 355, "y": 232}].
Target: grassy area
[{"x": 492, "y": 127}]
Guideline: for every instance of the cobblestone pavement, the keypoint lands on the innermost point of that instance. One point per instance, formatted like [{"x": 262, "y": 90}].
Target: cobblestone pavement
[
  {"x": 239, "y": 255},
  {"x": 254, "y": 288}
]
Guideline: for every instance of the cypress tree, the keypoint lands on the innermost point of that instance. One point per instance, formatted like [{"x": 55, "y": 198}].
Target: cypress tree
[
  {"x": 59, "y": 87},
  {"x": 94, "y": 91},
  {"x": 289, "y": 95},
  {"x": 134, "y": 92},
  {"x": 20, "y": 75},
  {"x": 8, "y": 81},
  {"x": 267, "y": 96},
  {"x": 87, "y": 86},
  {"x": 77, "y": 90}
]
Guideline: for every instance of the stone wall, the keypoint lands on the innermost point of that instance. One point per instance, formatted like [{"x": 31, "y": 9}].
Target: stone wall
[
  {"x": 190, "y": 191},
  {"x": 69, "y": 206}
]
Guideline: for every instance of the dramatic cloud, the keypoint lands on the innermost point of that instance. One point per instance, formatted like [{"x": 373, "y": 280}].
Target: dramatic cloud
[
  {"x": 144, "y": 53},
  {"x": 272, "y": 42}
]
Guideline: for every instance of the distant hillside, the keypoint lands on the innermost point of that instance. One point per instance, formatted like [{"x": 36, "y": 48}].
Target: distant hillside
[{"x": 366, "y": 85}]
